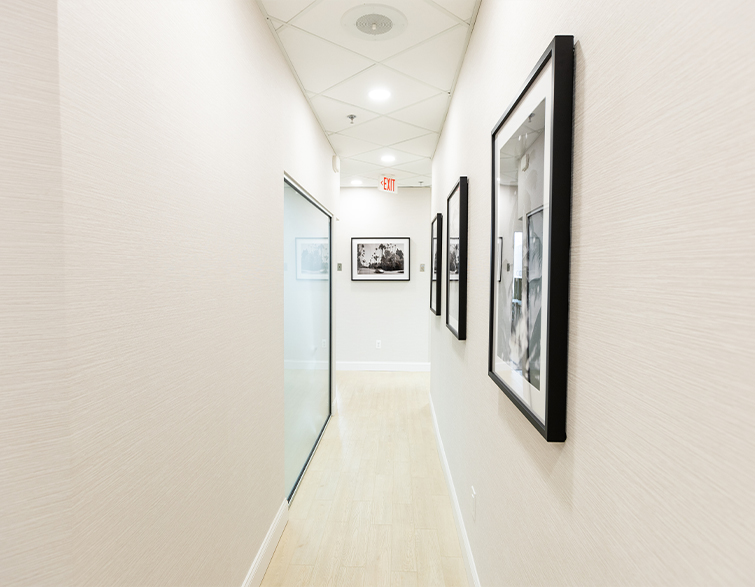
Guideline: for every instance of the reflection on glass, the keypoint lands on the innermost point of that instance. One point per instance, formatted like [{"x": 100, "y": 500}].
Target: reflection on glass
[
  {"x": 306, "y": 324},
  {"x": 519, "y": 303}
]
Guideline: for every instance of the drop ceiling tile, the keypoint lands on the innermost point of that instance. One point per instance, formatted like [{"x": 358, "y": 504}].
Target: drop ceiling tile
[
  {"x": 332, "y": 113},
  {"x": 384, "y": 131},
  {"x": 405, "y": 91},
  {"x": 395, "y": 173},
  {"x": 319, "y": 64},
  {"x": 351, "y": 167},
  {"x": 428, "y": 114},
  {"x": 423, "y": 21},
  {"x": 414, "y": 182},
  {"x": 349, "y": 146},
  {"x": 423, "y": 146},
  {"x": 435, "y": 61},
  {"x": 375, "y": 157},
  {"x": 461, "y": 8},
  {"x": 285, "y": 10},
  {"x": 422, "y": 166}
]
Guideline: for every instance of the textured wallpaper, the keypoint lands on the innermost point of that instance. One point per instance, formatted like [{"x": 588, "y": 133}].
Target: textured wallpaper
[
  {"x": 654, "y": 483},
  {"x": 144, "y": 146},
  {"x": 35, "y": 521}
]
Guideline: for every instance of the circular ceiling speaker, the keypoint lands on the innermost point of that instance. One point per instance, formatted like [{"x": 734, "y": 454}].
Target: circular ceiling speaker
[{"x": 374, "y": 22}]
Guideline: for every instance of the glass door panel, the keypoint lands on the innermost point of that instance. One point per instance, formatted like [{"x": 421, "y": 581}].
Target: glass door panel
[{"x": 306, "y": 301}]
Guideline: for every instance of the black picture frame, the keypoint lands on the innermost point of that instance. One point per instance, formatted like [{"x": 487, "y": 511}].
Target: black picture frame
[
  {"x": 381, "y": 274},
  {"x": 436, "y": 262},
  {"x": 499, "y": 259},
  {"x": 560, "y": 54},
  {"x": 459, "y": 272}
]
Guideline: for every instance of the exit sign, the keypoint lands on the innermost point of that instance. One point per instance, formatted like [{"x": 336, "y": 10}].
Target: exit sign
[{"x": 387, "y": 184}]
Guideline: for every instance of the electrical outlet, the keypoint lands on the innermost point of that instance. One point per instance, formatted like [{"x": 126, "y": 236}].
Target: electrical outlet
[
  {"x": 378, "y": 344},
  {"x": 474, "y": 504},
  {"x": 422, "y": 267},
  {"x": 324, "y": 343},
  {"x": 339, "y": 267}
]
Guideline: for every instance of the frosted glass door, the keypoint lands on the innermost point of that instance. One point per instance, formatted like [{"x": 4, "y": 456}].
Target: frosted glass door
[{"x": 306, "y": 301}]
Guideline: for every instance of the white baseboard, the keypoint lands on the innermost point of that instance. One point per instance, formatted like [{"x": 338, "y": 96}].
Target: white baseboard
[
  {"x": 466, "y": 549},
  {"x": 265, "y": 553},
  {"x": 381, "y": 366}
]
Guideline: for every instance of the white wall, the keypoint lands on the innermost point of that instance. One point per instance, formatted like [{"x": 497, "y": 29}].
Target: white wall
[
  {"x": 158, "y": 458},
  {"x": 396, "y": 313},
  {"x": 654, "y": 483},
  {"x": 35, "y": 480}
]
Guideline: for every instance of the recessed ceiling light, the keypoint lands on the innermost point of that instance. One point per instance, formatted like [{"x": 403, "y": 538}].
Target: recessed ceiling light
[
  {"x": 356, "y": 182},
  {"x": 387, "y": 158},
  {"x": 380, "y": 94}
]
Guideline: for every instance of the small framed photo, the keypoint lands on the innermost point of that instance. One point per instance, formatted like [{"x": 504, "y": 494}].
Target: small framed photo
[
  {"x": 531, "y": 230},
  {"x": 312, "y": 258},
  {"x": 380, "y": 259},
  {"x": 436, "y": 250},
  {"x": 456, "y": 265}
]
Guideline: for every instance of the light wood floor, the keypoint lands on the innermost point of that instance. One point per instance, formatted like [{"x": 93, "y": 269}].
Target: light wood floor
[{"x": 373, "y": 508}]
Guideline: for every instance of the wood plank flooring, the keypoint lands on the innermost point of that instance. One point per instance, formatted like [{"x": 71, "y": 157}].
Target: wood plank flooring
[{"x": 373, "y": 509}]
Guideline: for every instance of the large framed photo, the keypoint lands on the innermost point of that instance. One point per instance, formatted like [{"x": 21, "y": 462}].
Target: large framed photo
[
  {"x": 380, "y": 259},
  {"x": 312, "y": 258},
  {"x": 456, "y": 265},
  {"x": 436, "y": 261},
  {"x": 530, "y": 239}
]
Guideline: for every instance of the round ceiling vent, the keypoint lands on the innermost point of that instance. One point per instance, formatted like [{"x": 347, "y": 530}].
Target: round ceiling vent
[{"x": 374, "y": 22}]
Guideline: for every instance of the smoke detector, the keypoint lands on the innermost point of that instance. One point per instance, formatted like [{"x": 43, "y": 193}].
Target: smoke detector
[{"x": 374, "y": 22}]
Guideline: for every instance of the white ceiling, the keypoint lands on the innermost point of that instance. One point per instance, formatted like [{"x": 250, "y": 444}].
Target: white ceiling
[{"x": 337, "y": 67}]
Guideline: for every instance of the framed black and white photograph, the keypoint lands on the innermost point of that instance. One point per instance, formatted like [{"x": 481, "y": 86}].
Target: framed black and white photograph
[
  {"x": 530, "y": 239},
  {"x": 453, "y": 258},
  {"x": 380, "y": 259},
  {"x": 312, "y": 258},
  {"x": 456, "y": 264},
  {"x": 436, "y": 261}
]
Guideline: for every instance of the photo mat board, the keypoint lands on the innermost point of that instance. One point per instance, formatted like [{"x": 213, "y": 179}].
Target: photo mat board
[
  {"x": 380, "y": 259},
  {"x": 436, "y": 262},
  {"x": 530, "y": 238},
  {"x": 312, "y": 258},
  {"x": 456, "y": 254}
]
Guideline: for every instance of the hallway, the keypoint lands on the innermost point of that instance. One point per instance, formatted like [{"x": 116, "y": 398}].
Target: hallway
[{"x": 373, "y": 507}]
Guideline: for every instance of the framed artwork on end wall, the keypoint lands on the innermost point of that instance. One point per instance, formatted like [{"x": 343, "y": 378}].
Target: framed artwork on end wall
[
  {"x": 436, "y": 261},
  {"x": 380, "y": 259},
  {"x": 530, "y": 239},
  {"x": 312, "y": 258},
  {"x": 456, "y": 264}
]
